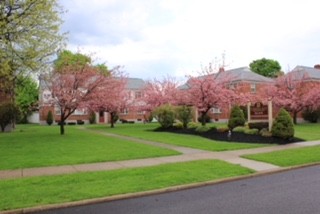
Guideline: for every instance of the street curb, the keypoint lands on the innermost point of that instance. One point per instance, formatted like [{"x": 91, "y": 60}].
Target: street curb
[{"x": 151, "y": 192}]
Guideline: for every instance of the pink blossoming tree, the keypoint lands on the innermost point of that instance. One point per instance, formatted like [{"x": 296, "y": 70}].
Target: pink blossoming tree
[
  {"x": 72, "y": 88},
  {"x": 112, "y": 96},
  {"x": 290, "y": 91},
  {"x": 160, "y": 92},
  {"x": 208, "y": 91}
]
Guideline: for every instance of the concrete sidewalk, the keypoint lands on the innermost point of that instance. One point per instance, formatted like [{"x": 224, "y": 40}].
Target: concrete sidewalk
[{"x": 188, "y": 154}]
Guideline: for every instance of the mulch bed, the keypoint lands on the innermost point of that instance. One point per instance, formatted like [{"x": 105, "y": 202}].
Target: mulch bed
[{"x": 235, "y": 136}]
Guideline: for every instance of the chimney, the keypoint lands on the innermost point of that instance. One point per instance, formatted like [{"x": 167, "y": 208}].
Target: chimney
[
  {"x": 221, "y": 69},
  {"x": 317, "y": 66}
]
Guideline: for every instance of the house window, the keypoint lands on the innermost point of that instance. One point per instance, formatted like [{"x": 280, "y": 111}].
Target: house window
[
  {"x": 253, "y": 88},
  {"x": 57, "y": 110},
  {"x": 233, "y": 86},
  {"x": 138, "y": 94},
  {"x": 125, "y": 111},
  {"x": 79, "y": 112},
  {"x": 140, "y": 112},
  {"x": 216, "y": 110}
]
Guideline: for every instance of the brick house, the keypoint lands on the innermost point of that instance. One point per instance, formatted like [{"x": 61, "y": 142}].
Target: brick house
[
  {"x": 242, "y": 80},
  {"x": 134, "y": 91},
  {"x": 311, "y": 77}
]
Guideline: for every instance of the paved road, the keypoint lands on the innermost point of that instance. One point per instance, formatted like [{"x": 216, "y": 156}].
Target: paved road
[{"x": 296, "y": 191}]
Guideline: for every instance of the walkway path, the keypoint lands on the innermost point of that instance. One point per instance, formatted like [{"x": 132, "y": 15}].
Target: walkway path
[{"x": 188, "y": 154}]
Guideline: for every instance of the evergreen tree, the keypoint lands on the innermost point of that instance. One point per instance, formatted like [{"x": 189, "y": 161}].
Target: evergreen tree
[
  {"x": 283, "y": 125},
  {"x": 236, "y": 117}
]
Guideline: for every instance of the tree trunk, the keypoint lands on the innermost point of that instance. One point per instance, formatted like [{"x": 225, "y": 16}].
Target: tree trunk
[
  {"x": 203, "y": 119},
  {"x": 295, "y": 117},
  {"x": 62, "y": 124},
  {"x": 112, "y": 119}
]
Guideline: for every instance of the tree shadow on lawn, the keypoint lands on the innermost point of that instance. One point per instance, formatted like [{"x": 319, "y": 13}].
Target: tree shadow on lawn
[{"x": 235, "y": 136}]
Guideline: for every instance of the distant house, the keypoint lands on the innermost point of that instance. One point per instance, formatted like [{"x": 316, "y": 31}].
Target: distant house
[
  {"x": 312, "y": 74},
  {"x": 242, "y": 80},
  {"x": 134, "y": 91}
]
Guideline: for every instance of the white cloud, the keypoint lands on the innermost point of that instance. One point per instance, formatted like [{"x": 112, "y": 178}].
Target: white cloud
[{"x": 159, "y": 37}]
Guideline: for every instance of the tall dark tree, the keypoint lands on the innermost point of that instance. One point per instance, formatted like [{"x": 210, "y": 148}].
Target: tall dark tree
[
  {"x": 266, "y": 67},
  {"x": 29, "y": 36}
]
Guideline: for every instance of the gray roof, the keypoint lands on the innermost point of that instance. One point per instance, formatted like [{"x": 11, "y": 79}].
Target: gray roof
[
  {"x": 242, "y": 74},
  {"x": 135, "y": 83},
  {"x": 310, "y": 72}
]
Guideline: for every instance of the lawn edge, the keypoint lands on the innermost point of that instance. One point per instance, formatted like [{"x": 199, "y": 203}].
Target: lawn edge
[{"x": 152, "y": 192}]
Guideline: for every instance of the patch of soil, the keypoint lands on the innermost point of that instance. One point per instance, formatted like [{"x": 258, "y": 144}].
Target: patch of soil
[{"x": 235, "y": 136}]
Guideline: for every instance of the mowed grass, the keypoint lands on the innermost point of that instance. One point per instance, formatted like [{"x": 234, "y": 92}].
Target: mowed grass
[
  {"x": 308, "y": 131},
  {"x": 145, "y": 131},
  {"x": 35, "y": 191},
  {"x": 290, "y": 157},
  {"x": 38, "y": 146}
]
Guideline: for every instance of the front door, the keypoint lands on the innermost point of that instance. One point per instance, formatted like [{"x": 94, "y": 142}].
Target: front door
[{"x": 101, "y": 117}]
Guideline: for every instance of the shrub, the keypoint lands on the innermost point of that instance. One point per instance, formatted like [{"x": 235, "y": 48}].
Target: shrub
[
  {"x": 193, "y": 125},
  {"x": 245, "y": 111},
  {"x": 265, "y": 133},
  {"x": 115, "y": 117},
  {"x": 283, "y": 125},
  {"x": 92, "y": 117},
  {"x": 258, "y": 125},
  {"x": 222, "y": 129},
  {"x": 251, "y": 131},
  {"x": 150, "y": 118},
  {"x": 214, "y": 128},
  {"x": 165, "y": 115},
  {"x": 184, "y": 114},
  {"x": 236, "y": 117},
  {"x": 8, "y": 111},
  {"x": 202, "y": 129},
  {"x": 178, "y": 125},
  {"x": 311, "y": 115},
  {"x": 49, "y": 118},
  {"x": 207, "y": 118},
  {"x": 71, "y": 123},
  {"x": 80, "y": 122},
  {"x": 239, "y": 129}
]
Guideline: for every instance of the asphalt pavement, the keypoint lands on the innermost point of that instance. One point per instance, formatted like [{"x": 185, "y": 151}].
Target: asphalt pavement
[{"x": 289, "y": 192}]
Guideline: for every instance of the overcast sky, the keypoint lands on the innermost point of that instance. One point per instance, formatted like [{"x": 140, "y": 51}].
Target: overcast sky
[{"x": 155, "y": 38}]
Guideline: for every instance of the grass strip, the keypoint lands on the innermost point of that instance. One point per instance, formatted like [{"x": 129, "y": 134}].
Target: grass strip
[
  {"x": 307, "y": 131},
  {"x": 35, "y": 191},
  {"x": 290, "y": 157},
  {"x": 145, "y": 131},
  {"x": 39, "y": 146}
]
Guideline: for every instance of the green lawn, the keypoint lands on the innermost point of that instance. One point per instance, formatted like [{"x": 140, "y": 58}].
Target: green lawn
[
  {"x": 290, "y": 157},
  {"x": 37, "y": 146},
  {"x": 308, "y": 131},
  {"x": 145, "y": 131},
  {"x": 28, "y": 192}
]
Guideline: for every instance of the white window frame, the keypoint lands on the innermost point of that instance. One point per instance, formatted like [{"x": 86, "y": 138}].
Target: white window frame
[
  {"x": 79, "y": 112},
  {"x": 253, "y": 87},
  {"x": 215, "y": 110}
]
